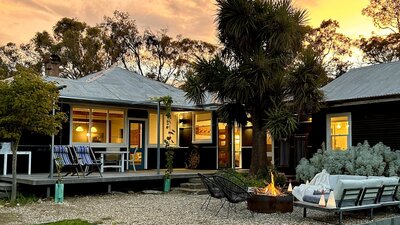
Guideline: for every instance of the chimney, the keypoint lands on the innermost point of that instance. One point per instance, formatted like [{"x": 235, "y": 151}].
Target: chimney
[{"x": 52, "y": 66}]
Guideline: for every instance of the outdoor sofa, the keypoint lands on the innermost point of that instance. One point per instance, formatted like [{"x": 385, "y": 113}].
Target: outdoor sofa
[{"x": 351, "y": 193}]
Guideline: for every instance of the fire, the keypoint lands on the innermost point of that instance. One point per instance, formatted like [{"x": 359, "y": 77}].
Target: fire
[{"x": 270, "y": 189}]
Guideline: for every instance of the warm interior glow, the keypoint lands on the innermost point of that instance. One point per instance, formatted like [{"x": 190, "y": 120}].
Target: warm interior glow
[
  {"x": 270, "y": 189},
  {"x": 79, "y": 129},
  {"x": 339, "y": 132},
  {"x": 93, "y": 129}
]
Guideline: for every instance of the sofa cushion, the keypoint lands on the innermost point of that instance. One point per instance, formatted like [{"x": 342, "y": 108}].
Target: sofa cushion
[
  {"x": 346, "y": 184},
  {"x": 333, "y": 179},
  {"x": 314, "y": 198}
]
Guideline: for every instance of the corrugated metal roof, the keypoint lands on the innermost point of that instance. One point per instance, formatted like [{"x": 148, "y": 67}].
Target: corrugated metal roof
[
  {"x": 379, "y": 80},
  {"x": 120, "y": 86}
]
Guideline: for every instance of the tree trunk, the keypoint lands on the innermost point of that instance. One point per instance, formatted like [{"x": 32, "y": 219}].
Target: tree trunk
[
  {"x": 259, "y": 152},
  {"x": 15, "y": 144}
]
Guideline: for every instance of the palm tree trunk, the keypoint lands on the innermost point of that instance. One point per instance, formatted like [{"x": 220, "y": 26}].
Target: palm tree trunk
[
  {"x": 259, "y": 153},
  {"x": 14, "y": 169}
]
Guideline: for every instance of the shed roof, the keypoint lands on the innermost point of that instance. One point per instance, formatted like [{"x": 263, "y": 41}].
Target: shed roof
[
  {"x": 376, "y": 81},
  {"x": 117, "y": 85}
]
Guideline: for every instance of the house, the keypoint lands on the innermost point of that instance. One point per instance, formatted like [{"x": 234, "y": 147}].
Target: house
[
  {"x": 362, "y": 104},
  {"x": 112, "y": 109}
]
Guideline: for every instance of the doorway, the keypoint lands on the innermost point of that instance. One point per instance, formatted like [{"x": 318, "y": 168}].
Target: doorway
[{"x": 136, "y": 140}]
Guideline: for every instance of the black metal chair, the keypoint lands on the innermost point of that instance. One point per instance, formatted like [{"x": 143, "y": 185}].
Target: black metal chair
[
  {"x": 233, "y": 193},
  {"x": 87, "y": 158},
  {"x": 213, "y": 189}
]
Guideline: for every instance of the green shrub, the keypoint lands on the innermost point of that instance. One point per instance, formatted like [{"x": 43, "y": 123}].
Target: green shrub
[{"x": 362, "y": 159}]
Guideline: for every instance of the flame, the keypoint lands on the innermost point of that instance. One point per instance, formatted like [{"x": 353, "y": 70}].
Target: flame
[{"x": 270, "y": 189}]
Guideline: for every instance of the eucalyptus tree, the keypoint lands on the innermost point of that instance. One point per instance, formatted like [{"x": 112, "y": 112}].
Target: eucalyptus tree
[{"x": 256, "y": 71}]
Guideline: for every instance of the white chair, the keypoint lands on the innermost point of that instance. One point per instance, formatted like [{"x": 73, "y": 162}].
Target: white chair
[{"x": 128, "y": 159}]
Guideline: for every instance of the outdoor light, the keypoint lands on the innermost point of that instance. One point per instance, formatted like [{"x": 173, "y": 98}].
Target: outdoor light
[
  {"x": 79, "y": 129},
  {"x": 93, "y": 129},
  {"x": 290, "y": 189},
  {"x": 322, "y": 200},
  {"x": 331, "y": 201}
]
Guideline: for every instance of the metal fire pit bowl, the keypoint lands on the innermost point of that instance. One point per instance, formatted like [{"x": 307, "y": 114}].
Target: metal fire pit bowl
[{"x": 270, "y": 204}]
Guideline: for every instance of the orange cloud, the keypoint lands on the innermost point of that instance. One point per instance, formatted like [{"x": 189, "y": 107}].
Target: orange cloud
[{"x": 20, "y": 20}]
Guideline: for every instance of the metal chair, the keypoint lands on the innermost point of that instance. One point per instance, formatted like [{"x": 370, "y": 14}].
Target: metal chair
[
  {"x": 233, "y": 193},
  {"x": 133, "y": 159},
  {"x": 213, "y": 189}
]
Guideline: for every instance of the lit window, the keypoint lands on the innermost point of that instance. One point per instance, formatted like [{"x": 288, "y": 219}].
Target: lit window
[
  {"x": 164, "y": 132},
  {"x": 97, "y": 126},
  {"x": 339, "y": 131},
  {"x": 202, "y": 132},
  {"x": 80, "y": 125},
  {"x": 116, "y": 121}
]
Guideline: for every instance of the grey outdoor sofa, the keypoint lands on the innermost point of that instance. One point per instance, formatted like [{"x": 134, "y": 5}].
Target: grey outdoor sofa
[{"x": 363, "y": 193}]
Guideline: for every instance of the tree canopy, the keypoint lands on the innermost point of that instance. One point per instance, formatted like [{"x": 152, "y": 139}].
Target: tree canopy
[
  {"x": 382, "y": 49},
  {"x": 262, "y": 66},
  {"x": 25, "y": 106}
]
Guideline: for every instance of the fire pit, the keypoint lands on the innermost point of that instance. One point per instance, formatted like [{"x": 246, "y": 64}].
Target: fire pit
[{"x": 270, "y": 200}]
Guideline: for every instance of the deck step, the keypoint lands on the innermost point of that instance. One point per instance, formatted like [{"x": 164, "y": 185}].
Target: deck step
[
  {"x": 195, "y": 180},
  {"x": 191, "y": 191},
  {"x": 5, "y": 186},
  {"x": 193, "y": 185}
]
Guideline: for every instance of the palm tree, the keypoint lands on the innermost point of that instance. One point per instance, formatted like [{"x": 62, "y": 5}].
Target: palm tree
[{"x": 261, "y": 42}]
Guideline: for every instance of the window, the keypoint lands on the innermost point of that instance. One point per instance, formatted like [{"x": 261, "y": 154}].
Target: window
[
  {"x": 97, "y": 126},
  {"x": 164, "y": 132},
  {"x": 202, "y": 130},
  {"x": 339, "y": 131}
]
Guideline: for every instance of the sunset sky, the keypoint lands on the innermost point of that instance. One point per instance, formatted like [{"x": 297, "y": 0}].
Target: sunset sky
[{"x": 20, "y": 19}]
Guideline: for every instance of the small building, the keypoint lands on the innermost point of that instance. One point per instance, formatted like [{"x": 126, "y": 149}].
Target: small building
[
  {"x": 362, "y": 104},
  {"x": 113, "y": 109}
]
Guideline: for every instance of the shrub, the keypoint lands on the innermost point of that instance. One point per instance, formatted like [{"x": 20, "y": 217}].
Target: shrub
[{"x": 358, "y": 160}]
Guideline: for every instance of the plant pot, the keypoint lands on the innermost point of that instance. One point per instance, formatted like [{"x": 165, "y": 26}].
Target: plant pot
[
  {"x": 59, "y": 193},
  {"x": 167, "y": 184}
]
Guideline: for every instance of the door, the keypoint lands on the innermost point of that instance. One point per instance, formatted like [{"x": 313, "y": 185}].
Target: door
[
  {"x": 136, "y": 140},
  {"x": 224, "y": 146}
]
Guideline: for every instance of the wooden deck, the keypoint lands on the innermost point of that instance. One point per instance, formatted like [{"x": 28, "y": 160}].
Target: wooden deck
[{"x": 40, "y": 179}]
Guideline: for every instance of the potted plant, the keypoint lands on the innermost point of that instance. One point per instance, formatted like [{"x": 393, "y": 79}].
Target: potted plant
[
  {"x": 59, "y": 188},
  {"x": 169, "y": 153}
]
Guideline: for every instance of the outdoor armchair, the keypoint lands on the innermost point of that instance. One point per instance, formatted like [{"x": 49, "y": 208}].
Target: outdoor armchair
[
  {"x": 213, "y": 189},
  {"x": 62, "y": 154},
  {"x": 87, "y": 158}
]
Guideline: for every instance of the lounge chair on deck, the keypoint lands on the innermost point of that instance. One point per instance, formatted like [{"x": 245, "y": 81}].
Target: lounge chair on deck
[
  {"x": 62, "y": 154},
  {"x": 87, "y": 158}
]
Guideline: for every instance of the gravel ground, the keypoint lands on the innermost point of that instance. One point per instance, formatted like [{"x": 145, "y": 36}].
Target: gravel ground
[{"x": 171, "y": 208}]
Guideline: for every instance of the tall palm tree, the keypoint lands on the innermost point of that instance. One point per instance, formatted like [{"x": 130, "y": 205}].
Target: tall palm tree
[{"x": 261, "y": 42}]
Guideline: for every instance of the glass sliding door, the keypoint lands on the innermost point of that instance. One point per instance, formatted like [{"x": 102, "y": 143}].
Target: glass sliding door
[{"x": 224, "y": 147}]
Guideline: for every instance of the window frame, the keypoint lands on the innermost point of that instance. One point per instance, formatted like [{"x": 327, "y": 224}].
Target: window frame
[
  {"x": 328, "y": 130},
  {"x": 95, "y": 144},
  {"x": 208, "y": 141},
  {"x": 162, "y": 126}
]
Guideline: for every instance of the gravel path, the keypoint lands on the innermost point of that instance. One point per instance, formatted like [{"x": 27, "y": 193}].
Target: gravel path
[{"x": 171, "y": 208}]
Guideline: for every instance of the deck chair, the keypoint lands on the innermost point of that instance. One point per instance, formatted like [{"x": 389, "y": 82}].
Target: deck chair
[
  {"x": 213, "y": 189},
  {"x": 62, "y": 154},
  {"x": 234, "y": 193},
  {"x": 132, "y": 160},
  {"x": 87, "y": 159}
]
